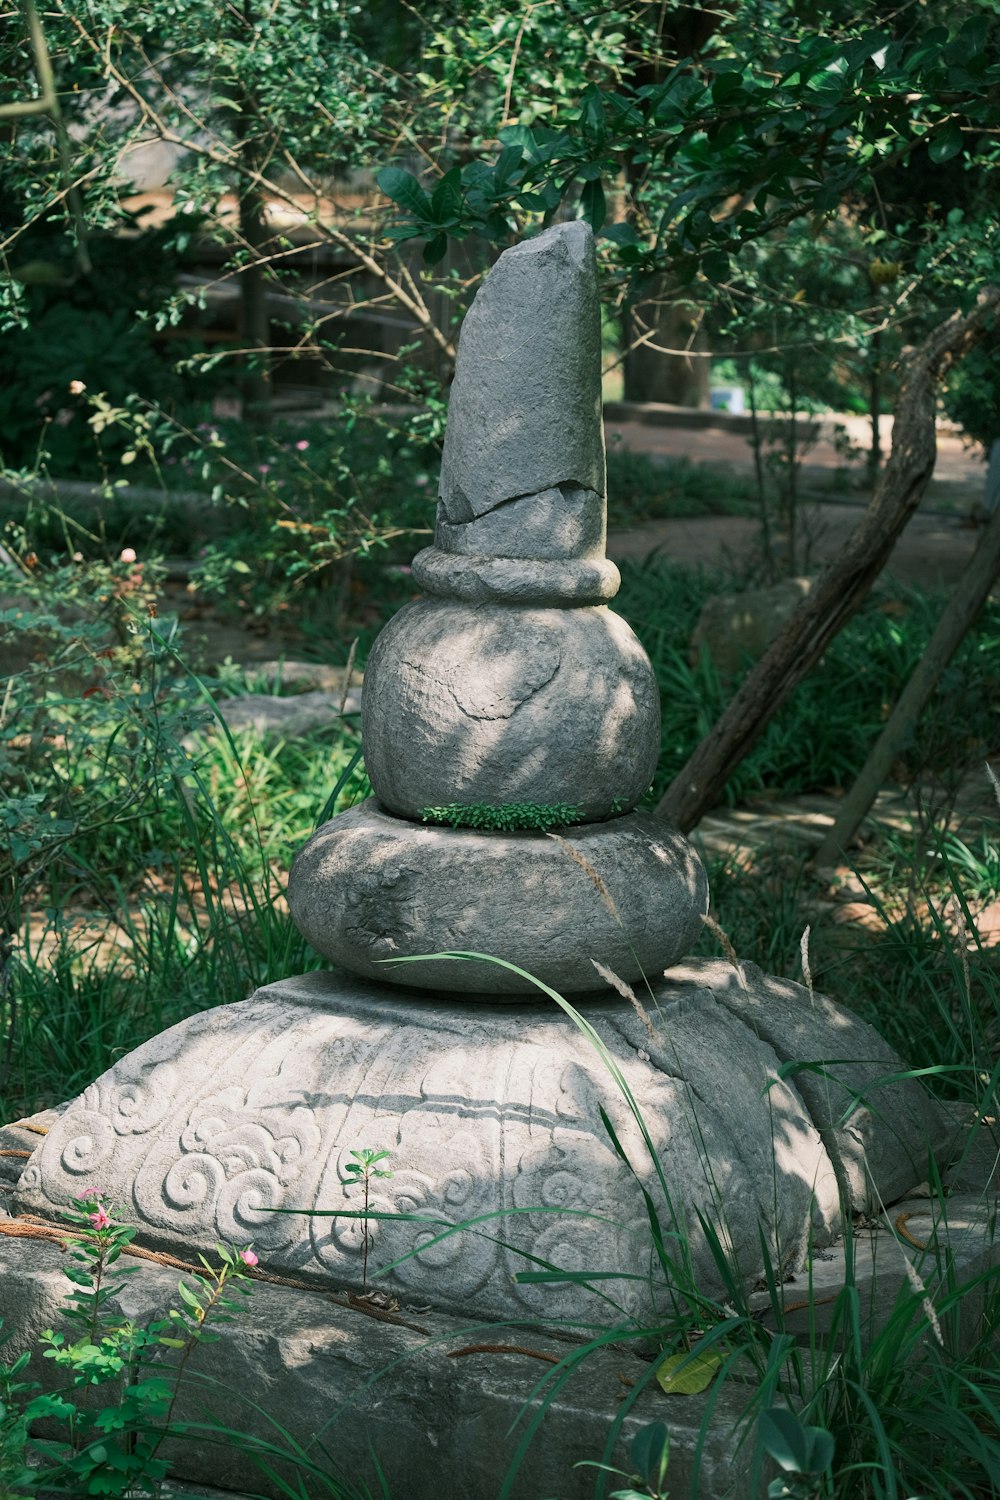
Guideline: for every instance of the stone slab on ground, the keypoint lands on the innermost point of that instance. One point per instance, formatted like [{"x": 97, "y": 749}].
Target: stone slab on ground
[
  {"x": 346, "y": 1385},
  {"x": 949, "y": 1245},
  {"x": 272, "y": 718}
]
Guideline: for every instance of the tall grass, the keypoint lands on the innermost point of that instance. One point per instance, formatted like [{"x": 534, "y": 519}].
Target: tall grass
[{"x": 154, "y": 886}]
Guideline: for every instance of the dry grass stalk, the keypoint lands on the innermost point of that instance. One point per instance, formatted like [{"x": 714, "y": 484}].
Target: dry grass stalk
[
  {"x": 961, "y": 940},
  {"x": 627, "y": 993},
  {"x": 995, "y": 780},
  {"x": 347, "y": 676},
  {"x": 594, "y": 877},
  {"x": 930, "y": 1313},
  {"x": 725, "y": 942},
  {"x": 806, "y": 966}
]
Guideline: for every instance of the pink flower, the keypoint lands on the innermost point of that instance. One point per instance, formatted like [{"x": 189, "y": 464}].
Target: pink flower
[
  {"x": 248, "y": 1258},
  {"x": 95, "y": 1193},
  {"x": 127, "y": 554},
  {"x": 302, "y": 444},
  {"x": 76, "y": 387},
  {"x": 263, "y": 468},
  {"x": 100, "y": 1219}
]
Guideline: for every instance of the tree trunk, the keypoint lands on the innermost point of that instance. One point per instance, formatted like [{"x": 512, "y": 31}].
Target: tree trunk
[
  {"x": 968, "y": 599},
  {"x": 841, "y": 589},
  {"x": 678, "y": 379}
]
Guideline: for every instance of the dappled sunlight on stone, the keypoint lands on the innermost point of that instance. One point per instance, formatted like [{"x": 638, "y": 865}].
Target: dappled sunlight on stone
[{"x": 751, "y": 1113}]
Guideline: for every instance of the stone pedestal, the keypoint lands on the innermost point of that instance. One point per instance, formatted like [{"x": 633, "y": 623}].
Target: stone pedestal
[{"x": 493, "y": 1118}]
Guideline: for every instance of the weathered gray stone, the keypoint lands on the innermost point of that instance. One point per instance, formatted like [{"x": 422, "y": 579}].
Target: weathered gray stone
[
  {"x": 353, "y": 1389},
  {"x": 289, "y": 676},
  {"x": 734, "y": 627},
  {"x": 525, "y": 407},
  {"x": 878, "y": 1128},
  {"x": 18, "y": 1140},
  {"x": 492, "y": 704},
  {"x": 950, "y": 1242},
  {"x": 565, "y": 522},
  {"x": 514, "y": 580},
  {"x": 273, "y": 718},
  {"x": 368, "y": 887},
  {"x": 494, "y": 1111},
  {"x": 360, "y": 1394}
]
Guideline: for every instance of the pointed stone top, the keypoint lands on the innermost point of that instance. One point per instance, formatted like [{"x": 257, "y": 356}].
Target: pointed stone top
[{"x": 525, "y": 408}]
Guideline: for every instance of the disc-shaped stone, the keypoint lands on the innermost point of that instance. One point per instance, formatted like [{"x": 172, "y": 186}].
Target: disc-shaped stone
[{"x": 368, "y": 886}]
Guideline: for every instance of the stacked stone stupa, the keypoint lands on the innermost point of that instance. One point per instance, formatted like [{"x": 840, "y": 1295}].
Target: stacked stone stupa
[{"x": 510, "y": 682}]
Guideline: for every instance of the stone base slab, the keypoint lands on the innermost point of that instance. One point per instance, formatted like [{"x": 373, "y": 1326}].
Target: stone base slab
[
  {"x": 352, "y": 1388},
  {"x": 354, "y": 1391}
]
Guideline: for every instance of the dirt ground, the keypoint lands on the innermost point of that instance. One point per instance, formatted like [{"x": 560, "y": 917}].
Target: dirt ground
[{"x": 933, "y": 551}]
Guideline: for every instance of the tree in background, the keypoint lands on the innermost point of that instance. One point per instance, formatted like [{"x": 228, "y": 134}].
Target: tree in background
[{"x": 686, "y": 142}]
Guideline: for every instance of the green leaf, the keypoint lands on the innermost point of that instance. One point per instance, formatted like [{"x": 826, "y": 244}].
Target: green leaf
[
  {"x": 946, "y": 143},
  {"x": 399, "y": 232},
  {"x": 622, "y": 234},
  {"x": 687, "y": 1374},
  {"x": 650, "y": 1451},
  {"x": 798, "y": 1449},
  {"x": 404, "y": 190},
  {"x": 507, "y": 164},
  {"x": 522, "y": 136},
  {"x": 594, "y": 205},
  {"x": 725, "y": 86},
  {"x": 435, "y": 249},
  {"x": 446, "y": 199},
  {"x": 48, "y": 1406},
  {"x": 189, "y": 1296}
]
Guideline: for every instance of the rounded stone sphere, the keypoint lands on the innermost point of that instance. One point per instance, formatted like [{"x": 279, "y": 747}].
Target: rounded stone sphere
[
  {"x": 629, "y": 893},
  {"x": 485, "y": 703}
]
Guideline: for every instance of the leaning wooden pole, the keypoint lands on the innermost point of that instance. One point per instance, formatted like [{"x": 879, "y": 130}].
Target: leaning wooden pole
[
  {"x": 968, "y": 599},
  {"x": 843, "y": 586}
]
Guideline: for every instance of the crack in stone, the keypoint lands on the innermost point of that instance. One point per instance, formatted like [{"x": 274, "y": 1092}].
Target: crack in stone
[
  {"x": 484, "y": 715},
  {"x": 561, "y": 484}
]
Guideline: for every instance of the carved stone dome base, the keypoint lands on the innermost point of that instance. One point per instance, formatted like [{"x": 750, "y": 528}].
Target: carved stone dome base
[{"x": 495, "y": 1114}]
